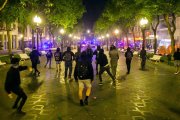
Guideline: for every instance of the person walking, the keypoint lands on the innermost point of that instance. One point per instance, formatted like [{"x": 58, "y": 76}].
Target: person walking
[
  {"x": 104, "y": 66},
  {"x": 49, "y": 56},
  {"x": 83, "y": 74},
  {"x": 34, "y": 56},
  {"x": 143, "y": 58},
  {"x": 58, "y": 59},
  {"x": 96, "y": 52},
  {"x": 114, "y": 56},
  {"x": 128, "y": 55},
  {"x": 77, "y": 54},
  {"x": 177, "y": 60},
  {"x": 89, "y": 53},
  {"x": 12, "y": 84},
  {"x": 68, "y": 57}
]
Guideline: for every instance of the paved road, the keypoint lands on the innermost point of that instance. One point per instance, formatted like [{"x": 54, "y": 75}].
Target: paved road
[{"x": 153, "y": 94}]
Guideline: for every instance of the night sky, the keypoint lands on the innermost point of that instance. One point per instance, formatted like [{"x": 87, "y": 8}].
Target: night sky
[{"x": 94, "y": 9}]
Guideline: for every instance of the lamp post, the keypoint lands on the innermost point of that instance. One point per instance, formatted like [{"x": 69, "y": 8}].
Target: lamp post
[
  {"x": 107, "y": 35},
  {"x": 116, "y": 32},
  {"x": 62, "y": 31},
  {"x": 37, "y": 20},
  {"x": 143, "y": 23}
]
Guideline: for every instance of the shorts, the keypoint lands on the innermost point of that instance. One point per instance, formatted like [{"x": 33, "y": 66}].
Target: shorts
[
  {"x": 86, "y": 82},
  {"x": 177, "y": 63}
]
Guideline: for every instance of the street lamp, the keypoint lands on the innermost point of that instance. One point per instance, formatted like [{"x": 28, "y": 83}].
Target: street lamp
[
  {"x": 62, "y": 31},
  {"x": 88, "y": 31},
  {"x": 37, "y": 20},
  {"x": 143, "y": 23}
]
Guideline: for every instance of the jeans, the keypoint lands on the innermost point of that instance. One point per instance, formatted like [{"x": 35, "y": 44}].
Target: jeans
[
  {"x": 68, "y": 65},
  {"x": 128, "y": 63},
  {"x": 48, "y": 61},
  {"x": 107, "y": 69},
  {"x": 20, "y": 95}
]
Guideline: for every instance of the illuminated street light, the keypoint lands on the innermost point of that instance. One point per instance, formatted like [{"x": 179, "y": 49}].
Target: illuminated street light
[
  {"x": 107, "y": 35},
  {"x": 143, "y": 23},
  {"x": 116, "y": 31},
  {"x": 62, "y": 31},
  {"x": 88, "y": 31},
  {"x": 70, "y": 35},
  {"x": 37, "y": 20}
]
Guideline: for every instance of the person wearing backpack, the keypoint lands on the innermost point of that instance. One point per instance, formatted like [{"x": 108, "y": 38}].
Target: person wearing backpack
[
  {"x": 89, "y": 53},
  {"x": 103, "y": 61},
  {"x": 68, "y": 57},
  {"x": 77, "y": 54},
  {"x": 83, "y": 74},
  {"x": 58, "y": 59},
  {"x": 49, "y": 56},
  {"x": 128, "y": 55}
]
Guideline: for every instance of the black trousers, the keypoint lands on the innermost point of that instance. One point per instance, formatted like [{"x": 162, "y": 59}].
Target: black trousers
[
  {"x": 128, "y": 64},
  {"x": 34, "y": 66},
  {"x": 20, "y": 96},
  {"x": 107, "y": 69}
]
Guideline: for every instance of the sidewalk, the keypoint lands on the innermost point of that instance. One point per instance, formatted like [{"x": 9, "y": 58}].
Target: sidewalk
[{"x": 142, "y": 95}]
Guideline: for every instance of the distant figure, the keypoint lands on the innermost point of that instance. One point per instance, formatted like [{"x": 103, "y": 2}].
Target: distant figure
[
  {"x": 114, "y": 56},
  {"x": 177, "y": 60},
  {"x": 34, "y": 56},
  {"x": 143, "y": 58},
  {"x": 96, "y": 52},
  {"x": 68, "y": 57},
  {"x": 83, "y": 73},
  {"x": 169, "y": 58},
  {"x": 58, "y": 59},
  {"x": 104, "y": 66},
  {"x": 12, "y": 84},
  {"x": 49, "y": 56},
  {"x": 77, "y": 54},
  {"x": 128, "y": 55},
  {"x": 89, "y": 53}
]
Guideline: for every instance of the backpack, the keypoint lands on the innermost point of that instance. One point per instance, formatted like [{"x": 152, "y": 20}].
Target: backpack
[
  {"x": 67, "y": 56},
  {"x": 129, "y": 55},
  {"x": 83, "y": 70},
  {"x": 48, "y": 54},
  {"x": 57, "y": 56}
]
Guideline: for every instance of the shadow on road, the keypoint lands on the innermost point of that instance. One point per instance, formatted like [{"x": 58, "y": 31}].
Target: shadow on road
[{"x": 34, "y": 84}]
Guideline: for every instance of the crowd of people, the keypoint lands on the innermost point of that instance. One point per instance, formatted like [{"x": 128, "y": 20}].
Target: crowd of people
[{"x": 83, "y": 72}]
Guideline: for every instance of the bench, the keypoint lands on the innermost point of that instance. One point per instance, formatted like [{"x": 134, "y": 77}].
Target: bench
[
  {"x": 2, "y": 63},
  {"x": 24, "y": 56},
  {"x": 156, "y": 58}
]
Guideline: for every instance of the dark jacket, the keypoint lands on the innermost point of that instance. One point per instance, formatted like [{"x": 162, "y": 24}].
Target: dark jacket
[
  {"x": 58, "y": 56},
  {"x": 103, "y": 59},
  {"x": 176, "y": 56},
  {"x": 96, "y": 52},
  {"x": 68, "y": 52},
  {"x": 143, "y": 54},
  {"x": 13, "y": 80},
  {"x": 34, "y": 56},
  {"x": 90, "y": 69},
  {"x": 126, "y": 55}
]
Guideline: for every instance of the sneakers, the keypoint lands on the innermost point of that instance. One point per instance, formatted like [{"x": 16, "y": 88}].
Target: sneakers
[
  {"x": 100, "y": 83},
  {"x": 14, "y": 107},
  {"x": 81, "y": 103},
  {"x": 176, "y": 73}
]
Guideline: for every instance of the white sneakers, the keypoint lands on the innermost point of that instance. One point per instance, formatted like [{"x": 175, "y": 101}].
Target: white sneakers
[{"x": 176, "y": 73}]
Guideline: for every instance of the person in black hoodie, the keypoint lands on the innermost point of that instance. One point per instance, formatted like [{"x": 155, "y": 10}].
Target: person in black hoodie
[
  {"x": 83, "y": 74},
  {"x": 96, "y": 52},
  {"x": 12, "y": 84},
  {"x": 104, "y": 66}
]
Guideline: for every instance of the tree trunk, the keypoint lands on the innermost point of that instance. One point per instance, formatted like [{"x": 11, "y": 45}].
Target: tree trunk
[
  {"x": 154, "y": 31},
  {"x": 171, "y": 29},
  {"x": 8, "y": 28},
  {"x": 132, "y": 30},
  {"x": 127, "y": 41},
  {"x": 5, "y": 2},
  {"x": 33, "y": 39}
]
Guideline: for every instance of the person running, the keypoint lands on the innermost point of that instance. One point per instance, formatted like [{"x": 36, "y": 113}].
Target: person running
[
  {"x": 34, "y": 56},
  {"x": 58, "y": 59},
  {"x": 83, "y": 74},
  {"x": 114, "y": 56},
  {"x": 104, "y": 66},
  {"x": 128, "y": 55},
  {"x": 143, "y": 58},
  {"x": 68, "y": 57},
  {"x": 96, "y": 52},
  {"x": 177, "y": 60},
  {"x": 49, "y": 56},
  {"x": 12, "y": 84}
]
